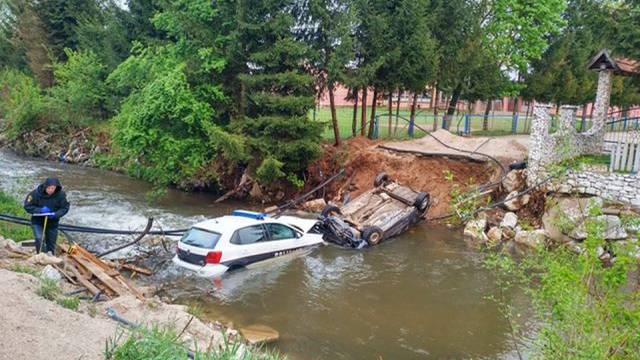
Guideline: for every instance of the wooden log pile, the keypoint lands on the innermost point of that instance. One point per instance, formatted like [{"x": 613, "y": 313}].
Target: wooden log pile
[{"x": 96, "y": 275}]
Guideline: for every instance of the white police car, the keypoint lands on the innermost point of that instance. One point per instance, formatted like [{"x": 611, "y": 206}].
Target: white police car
[{"x": 242, "y": 239}]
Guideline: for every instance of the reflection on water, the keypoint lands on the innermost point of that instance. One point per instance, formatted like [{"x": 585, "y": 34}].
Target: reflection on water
[{"x": 422, "y": 295}]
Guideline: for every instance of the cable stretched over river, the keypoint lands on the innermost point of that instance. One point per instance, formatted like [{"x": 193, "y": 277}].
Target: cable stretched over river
[{"x": 93, "y": 230}]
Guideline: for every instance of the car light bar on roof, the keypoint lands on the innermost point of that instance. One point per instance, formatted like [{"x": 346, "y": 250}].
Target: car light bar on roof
[{"x": 249, "y": 214}]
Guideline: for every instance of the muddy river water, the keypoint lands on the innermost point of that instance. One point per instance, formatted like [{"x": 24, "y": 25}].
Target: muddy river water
[{"x": 421, "y": 295}]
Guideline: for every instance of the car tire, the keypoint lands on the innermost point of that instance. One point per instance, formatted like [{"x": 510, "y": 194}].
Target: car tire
[
  {"x": 422, "y": 202},
  {"x": 372, "y": 235},
  {"x": 381, "y": 179},
  {"x": 330, "y": 210}
]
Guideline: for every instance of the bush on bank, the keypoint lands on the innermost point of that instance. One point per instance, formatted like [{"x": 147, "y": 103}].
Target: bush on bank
[
  {"x": 588, "y": 308},
  {"x": 9, "y": 206}
]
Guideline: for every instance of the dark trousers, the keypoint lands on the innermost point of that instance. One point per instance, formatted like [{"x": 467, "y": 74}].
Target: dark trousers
[{"x": 50, "y": 237}]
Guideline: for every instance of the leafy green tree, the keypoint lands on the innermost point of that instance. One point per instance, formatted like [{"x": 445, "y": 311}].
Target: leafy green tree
[
  {"x": 105, "y": 34},
  {"x": 61, "y": 20},
  {"x": 78, "y": 97},
  {"x": 21, "y": 104},
  {"x": 167, "y": 129}
]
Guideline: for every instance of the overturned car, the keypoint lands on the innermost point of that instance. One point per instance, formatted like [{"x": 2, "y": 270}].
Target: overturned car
[{"x": 385, "y": 211}]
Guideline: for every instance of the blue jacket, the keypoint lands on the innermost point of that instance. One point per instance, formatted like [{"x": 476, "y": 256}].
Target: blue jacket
[{"x": 56, "y": 202}]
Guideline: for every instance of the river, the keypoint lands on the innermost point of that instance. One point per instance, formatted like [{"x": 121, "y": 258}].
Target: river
[{"x": 421, "y": 295}]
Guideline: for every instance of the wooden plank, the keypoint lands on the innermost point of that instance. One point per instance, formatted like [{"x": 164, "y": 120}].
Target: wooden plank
[
  {"x": 101, "y": 275},
  {"x": 83, "y": 281},
  {"x": 137, "y": 269},
  {"x": 65, "y": 274},
  {"x": 612, "y": 160},
  {"x": 623, "y": 159}
]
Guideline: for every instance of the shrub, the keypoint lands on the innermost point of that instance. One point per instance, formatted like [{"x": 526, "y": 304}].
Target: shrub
[
  {"x": 25, "y": 269},
  {"x": 165, "y": 133},
  {"x": 69, "y": 302},
  {"x": 79, "y": 93},
  {"x": 587, "y": 308},
  {"x": 21, "y": 104},
  {"x": 9, "y": 205},
  {"x": 269, "y": 170},
  {"x": 49, "y": 289}
]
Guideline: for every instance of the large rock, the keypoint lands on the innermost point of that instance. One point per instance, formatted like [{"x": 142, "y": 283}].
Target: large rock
[
  {"x": 475, "y": 230},
  {"x": 49, "y": 272},
  {"x": 495, "y": 234},
  {"x": 567, "y": 214},
  {"x": 315, "y": 205},
  {"x": 532, "y": 239},
  {"x": 510, "y": 220},
  {"x": 514, "y": 181},
  {"x": 516, "y": 202},
  {"x": 613, "y": 229},
  {"x": 258, "y": 334}
]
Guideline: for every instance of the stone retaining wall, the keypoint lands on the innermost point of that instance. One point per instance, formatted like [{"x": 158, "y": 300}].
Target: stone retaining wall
[{"x": 612, "y": 186}]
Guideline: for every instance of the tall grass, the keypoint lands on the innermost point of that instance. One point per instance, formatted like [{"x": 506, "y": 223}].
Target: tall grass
[
  {"x": 9, "y": 205},
  {"x": 164, "y": 343}
]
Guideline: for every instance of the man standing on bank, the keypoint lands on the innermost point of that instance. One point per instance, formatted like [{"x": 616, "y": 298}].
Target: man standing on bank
[{"x": 46, "y": 204}]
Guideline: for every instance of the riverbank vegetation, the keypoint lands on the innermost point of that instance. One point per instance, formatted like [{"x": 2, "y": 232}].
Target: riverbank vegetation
[
  {"x": 198, "y": 94},
  {"x": 10, "y": 206},
  {"x": 165, "y": 343},
  {"x": 587, "y": 304}
]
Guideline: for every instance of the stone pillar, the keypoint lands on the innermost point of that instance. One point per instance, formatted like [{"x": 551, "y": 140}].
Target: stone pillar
[
  {"x": 601, "y": 106},
  {"x": 567, "y": 119},
  {"x": 540, "y": 146}
]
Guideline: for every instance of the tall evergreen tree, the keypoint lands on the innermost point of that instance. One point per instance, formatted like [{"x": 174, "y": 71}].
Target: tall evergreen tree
[
  {"x": 278, "y": 90},
  {"x": 327, "y": 26}
]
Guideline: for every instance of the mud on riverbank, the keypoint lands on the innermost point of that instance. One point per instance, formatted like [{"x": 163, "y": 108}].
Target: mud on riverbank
[{"x": 361, "y": 158}]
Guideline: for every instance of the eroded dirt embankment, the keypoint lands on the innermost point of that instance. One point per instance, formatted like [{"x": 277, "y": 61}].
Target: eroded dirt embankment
[{"x": 362, "y": 160}]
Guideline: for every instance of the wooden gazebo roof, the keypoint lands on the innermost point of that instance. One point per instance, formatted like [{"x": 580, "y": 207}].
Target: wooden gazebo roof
[{"x": 620, "y": 66}]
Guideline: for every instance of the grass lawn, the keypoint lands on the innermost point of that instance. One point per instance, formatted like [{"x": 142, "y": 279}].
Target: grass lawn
[{"x": 498, "y": 124}]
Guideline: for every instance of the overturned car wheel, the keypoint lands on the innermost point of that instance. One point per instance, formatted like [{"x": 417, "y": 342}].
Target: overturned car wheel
[
  {"x": 372, "y": 235},
  {"x": 330, "y": 210},
  {"x": 381, "y": 179},
  {"x": 422, "y": 202}
]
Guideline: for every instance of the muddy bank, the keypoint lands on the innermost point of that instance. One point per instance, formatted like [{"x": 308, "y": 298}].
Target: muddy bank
[{"x": 362, "y": 160}]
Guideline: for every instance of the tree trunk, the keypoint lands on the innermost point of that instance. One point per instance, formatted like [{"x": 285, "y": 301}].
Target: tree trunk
[
  {"x": 412, "y": 117},
  {"x": 397, "y": 112},
  {"x": 363, "y": 115},
  {"x": 487, "y": 110},
  {"x": 354, "y": 122},
  {"x": 435, "y": 95},
  {"x": 373, "y": 111},
  {"x": 334, "y": 117},
  {"x": 453, "y": 103},
  {"x": 390, "y": 112}
]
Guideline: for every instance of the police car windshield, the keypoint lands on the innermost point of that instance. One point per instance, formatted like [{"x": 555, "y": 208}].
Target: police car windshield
[{"x": 201, "y": 238}]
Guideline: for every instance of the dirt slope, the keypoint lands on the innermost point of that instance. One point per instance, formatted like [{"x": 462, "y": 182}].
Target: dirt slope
[
  {"x": 35, "y": 328},
  {"x": 364, "y": 160}
]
